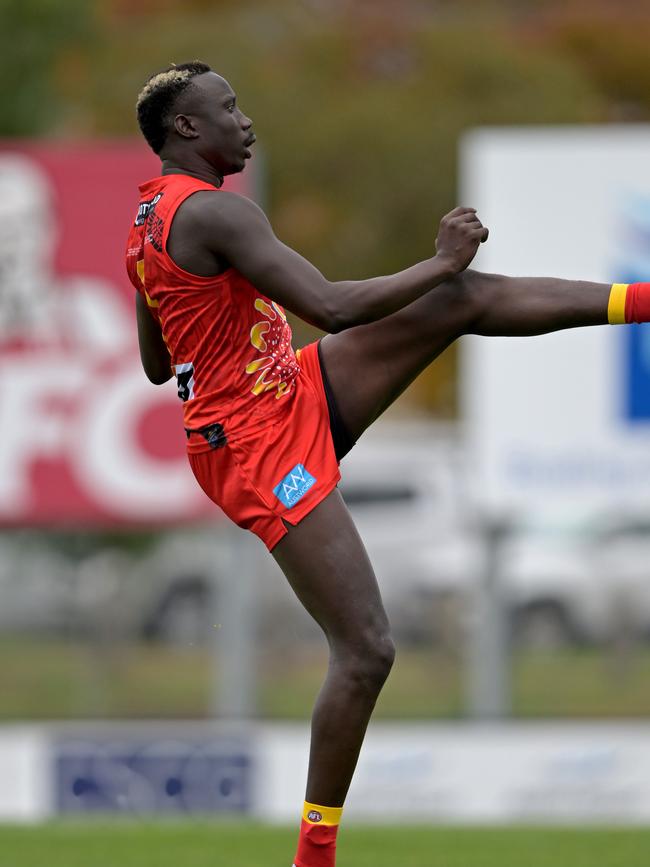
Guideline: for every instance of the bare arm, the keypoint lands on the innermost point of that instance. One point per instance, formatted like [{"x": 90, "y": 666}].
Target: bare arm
[
  {"x": 153, "y": 350},
  {"x": 236, "y": 230}
]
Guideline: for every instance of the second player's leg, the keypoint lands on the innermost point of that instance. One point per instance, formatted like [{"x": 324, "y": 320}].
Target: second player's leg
[{"x": 370, "y": 365}]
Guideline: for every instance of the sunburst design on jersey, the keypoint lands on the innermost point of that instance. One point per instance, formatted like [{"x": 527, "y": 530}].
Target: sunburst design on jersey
[{"x": 277, "y": 368}]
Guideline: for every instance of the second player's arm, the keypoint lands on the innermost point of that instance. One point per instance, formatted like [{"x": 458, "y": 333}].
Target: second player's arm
[{"x": 237, "y": 230}]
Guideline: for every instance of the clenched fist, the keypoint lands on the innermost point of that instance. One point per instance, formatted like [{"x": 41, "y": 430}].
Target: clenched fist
[{"x": 459, "y": 236}]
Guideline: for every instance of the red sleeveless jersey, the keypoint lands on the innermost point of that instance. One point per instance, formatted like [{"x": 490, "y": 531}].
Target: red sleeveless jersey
[
  {"x": 259, "y": 440},
  {"x": 229, "y": 345}
]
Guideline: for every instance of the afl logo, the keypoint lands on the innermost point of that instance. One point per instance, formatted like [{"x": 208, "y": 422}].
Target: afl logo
[{"x": 314, "y": 816}]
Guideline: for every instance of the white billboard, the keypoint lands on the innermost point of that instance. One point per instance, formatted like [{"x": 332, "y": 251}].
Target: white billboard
[
  {"x": 418, "y": 772},
  {"x": 561, "y": 421},
  {"x": 493, "y": 774}
]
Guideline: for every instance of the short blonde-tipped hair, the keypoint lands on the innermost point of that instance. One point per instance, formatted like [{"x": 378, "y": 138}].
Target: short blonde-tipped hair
[{"x": 156, "y": 99}]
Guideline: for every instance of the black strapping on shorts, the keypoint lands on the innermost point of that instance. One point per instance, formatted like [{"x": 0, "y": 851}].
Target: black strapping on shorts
[
  {"x": 341, "y": 437},
  {"x": 213, "y": 434}
]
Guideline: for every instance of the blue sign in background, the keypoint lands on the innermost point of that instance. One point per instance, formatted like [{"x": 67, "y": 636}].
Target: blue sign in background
[
  {"x": 164, "y": 776},
  {"x": 635, "y": 253},
  {"x": 637, "y": 362}
]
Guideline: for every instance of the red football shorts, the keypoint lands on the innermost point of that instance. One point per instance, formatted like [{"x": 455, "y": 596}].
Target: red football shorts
[{"x": 279, "y": 473}]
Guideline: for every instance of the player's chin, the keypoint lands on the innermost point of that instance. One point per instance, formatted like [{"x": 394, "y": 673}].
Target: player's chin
[{"x": 236, "y": 167}]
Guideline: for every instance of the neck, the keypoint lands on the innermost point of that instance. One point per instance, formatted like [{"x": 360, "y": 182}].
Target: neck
[{"x": 194, "y": 167}]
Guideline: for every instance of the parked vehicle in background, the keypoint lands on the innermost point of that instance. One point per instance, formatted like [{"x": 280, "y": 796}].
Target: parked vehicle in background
[
  {"x": 584, "y": 581},
  {"x": 407, "y": 487},
  {"x": 123, "y": 585}
]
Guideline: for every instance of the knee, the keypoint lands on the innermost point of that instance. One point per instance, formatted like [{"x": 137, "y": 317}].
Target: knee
[
  {"x": 382, "y": 657},
  {"x": 476, "y": 292},
  {"x": 369, "y": 662}
]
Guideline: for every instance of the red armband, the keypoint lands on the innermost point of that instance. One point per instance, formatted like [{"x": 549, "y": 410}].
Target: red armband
[
  {"x": 629, "y": 303},
  {"x": 637, "y": 302}
]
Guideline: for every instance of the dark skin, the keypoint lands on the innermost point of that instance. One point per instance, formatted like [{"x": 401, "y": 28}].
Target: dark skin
[{"x": 381, "y": 333}]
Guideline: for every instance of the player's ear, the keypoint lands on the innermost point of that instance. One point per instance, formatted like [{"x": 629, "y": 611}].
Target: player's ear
[{"x": 184, "y": 126}]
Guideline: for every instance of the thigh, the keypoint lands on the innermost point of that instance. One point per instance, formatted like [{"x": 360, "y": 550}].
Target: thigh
[
  {"x": 328, "y": 568},
  {"x": 369, "y": 366}
]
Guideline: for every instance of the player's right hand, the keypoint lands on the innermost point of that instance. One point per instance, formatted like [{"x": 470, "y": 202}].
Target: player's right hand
[{"x": 459, "y": 237}]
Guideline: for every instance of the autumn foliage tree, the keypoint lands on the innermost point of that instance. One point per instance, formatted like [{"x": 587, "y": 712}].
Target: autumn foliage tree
[{"x": 358, "y": 109}]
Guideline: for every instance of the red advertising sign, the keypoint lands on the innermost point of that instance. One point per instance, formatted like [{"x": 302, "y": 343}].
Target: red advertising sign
[{"x": 86, "y": 438}]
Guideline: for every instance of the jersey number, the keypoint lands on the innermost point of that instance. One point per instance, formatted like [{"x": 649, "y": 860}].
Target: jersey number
[{"x": 185, "y": 380}]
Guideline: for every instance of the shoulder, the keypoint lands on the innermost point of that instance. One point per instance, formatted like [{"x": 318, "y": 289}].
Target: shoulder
[
  {"x": 220, "y": 209},
  {"x": 221, "y": 222}
]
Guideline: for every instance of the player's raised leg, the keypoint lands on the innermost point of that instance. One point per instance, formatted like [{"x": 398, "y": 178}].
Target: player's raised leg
[
  {"x": 370, "y": 365},
  {"x": 327, "y": 566}
]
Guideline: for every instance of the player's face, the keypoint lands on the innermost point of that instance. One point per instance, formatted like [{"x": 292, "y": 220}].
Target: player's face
[{"x": 224, "y": 132}]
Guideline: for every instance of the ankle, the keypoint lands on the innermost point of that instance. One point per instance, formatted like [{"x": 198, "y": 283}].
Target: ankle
[{"x": 317, "y": 841}]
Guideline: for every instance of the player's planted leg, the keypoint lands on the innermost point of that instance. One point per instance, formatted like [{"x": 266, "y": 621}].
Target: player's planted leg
[{"x": 339, "y": 590}]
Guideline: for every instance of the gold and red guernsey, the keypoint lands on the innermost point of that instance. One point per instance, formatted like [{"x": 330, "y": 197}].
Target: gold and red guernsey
[
  {"x": 229, "y": 344},
  {"x": 629, "y": 302}
]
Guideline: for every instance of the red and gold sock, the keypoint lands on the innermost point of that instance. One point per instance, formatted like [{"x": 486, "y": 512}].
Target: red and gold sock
[
  {"x": 317, "y": 841},
  {"x": 628, "y": 302}
]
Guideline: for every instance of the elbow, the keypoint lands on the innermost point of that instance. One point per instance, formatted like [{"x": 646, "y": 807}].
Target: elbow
[
  {"x": 156, "y": 364},
  {"x": 158, "y": 375},
  {"x": 332, "y": 324},
  {"x": 159, "y": 378},
  {"x": 332, "y": 319},
  {"x": 340, "y": 322}
]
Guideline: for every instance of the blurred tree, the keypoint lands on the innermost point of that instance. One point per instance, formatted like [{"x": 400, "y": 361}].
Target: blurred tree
[
  {"x": 358, "y": 108},
  {"x": 611, "y": 49},
  {"x": 36, "y": 34}
]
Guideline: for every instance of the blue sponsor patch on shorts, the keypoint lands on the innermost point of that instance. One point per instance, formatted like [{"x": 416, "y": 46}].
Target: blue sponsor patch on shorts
[{"x": 294, "y": 486}]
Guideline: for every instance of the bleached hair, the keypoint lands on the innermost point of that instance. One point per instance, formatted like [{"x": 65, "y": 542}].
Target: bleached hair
[{"x": 155, "y": 103}]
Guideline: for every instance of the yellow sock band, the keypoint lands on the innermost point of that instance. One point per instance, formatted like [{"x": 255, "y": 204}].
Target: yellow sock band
[
  {"x": 314, "y": 814},
  {"x": 616, "y": 305}
]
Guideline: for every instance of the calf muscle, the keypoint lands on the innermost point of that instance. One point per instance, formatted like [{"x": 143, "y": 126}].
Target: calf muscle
[
  {"x": 371, "y": 365},
  {"x": 525, "y": 306}
]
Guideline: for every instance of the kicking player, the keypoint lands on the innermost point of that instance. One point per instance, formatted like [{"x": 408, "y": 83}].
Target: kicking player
[{"x": 267, "y": 427}]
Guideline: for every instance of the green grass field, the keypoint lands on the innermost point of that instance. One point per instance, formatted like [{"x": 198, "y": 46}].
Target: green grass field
[{"x": 246, "y": 845}]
